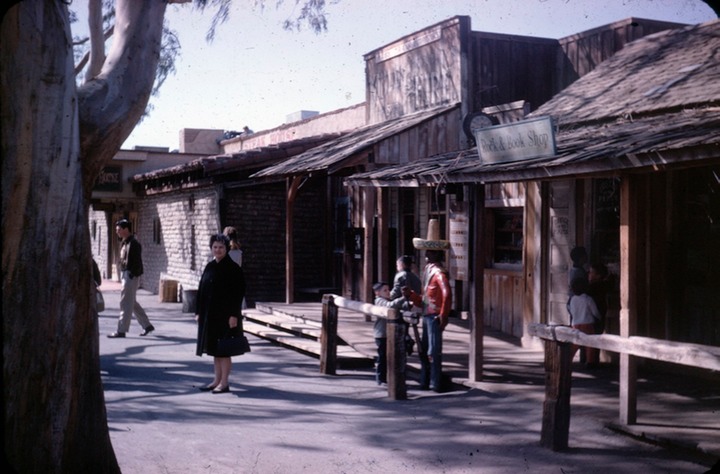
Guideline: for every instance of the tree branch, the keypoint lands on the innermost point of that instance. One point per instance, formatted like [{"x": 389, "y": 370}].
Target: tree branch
[{"x": 112, "y": 102}]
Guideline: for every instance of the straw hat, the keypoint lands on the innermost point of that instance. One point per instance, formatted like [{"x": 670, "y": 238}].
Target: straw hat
[{"x": 433, "y": 241}]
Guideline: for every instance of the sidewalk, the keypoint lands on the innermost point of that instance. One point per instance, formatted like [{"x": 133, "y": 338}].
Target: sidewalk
[
  {"x": 284, "y": 416},
  {"x": 674, "y": 409}
]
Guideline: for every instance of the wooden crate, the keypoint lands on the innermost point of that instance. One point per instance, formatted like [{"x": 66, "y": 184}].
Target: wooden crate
[{"x": 168, "y": 291}]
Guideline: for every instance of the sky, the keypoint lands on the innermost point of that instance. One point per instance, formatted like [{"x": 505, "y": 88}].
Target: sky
[{"x": 255, "y": 73}]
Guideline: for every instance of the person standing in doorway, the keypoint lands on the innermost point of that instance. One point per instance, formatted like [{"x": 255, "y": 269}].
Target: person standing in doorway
[
  {"x": 436, "y": 302},
  {"x": 584, "y": 316},
  {"x": 131, "y": 268}
]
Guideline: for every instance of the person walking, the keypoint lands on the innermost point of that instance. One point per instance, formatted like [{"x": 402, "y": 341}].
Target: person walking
[
  {"x": 219, "y": 300},
  {"x": 131, "y": 268},
  {"x": 436, "y": 302}
]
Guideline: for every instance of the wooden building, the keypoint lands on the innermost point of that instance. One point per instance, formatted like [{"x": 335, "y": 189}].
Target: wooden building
[
  {"x": 635, "y": 179},
  {"x": 422, "y": 92}
]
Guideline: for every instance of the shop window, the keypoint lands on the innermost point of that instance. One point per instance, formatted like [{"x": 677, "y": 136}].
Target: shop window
[{"x": 506, "y": 237}]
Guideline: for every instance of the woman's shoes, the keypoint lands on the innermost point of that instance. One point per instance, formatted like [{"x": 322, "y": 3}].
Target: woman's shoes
[
  {"x": 206, "y": 388},
  {"x": 224, "y": 389}
]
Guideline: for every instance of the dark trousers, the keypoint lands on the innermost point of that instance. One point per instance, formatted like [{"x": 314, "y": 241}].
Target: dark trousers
[{"x": 381, "y": 367}]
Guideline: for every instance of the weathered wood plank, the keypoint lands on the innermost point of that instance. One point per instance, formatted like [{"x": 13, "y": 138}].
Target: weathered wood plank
[
  {"x": 556, "y": 407},
  {"x": 396, "y": 358},
  {"x": 328, "y": 337},
  {"x": 683, "y": 353}
]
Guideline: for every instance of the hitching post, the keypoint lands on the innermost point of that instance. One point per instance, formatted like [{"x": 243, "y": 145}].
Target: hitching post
[
  {"x": 328, "y": 336},
  {"x": 396, "y": 355},
  {"x": 556, "y": 408}
]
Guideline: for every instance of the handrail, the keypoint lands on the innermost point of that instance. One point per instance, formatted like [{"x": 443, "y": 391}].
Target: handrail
[
  {"x": 683, "y": 353},
  {"x": 396, "y": 350},
  {"x": 373, "y": 310},
  {"x": 559, "y": 341}
]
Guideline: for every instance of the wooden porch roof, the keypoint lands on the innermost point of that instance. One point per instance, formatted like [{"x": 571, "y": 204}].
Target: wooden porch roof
[
  {"x": 243, "y": 160},
  {"x": 653, "y": 105},
  {"x": 334, "y": 154}
]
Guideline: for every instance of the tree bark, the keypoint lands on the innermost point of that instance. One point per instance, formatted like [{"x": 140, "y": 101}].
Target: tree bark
[
  {"x": 53, "y": 143},
  {"x": 114, "y": 101}
]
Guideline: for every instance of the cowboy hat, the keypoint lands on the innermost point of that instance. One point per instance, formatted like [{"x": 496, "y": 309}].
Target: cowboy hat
[{"x": 433, "y": 241}]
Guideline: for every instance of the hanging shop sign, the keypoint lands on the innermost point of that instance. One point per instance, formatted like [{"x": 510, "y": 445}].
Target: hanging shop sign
[
  {"x": 459, "y": 238},
  {"x": 516, "y": 141},
  {"x": 109, "y": 179}
]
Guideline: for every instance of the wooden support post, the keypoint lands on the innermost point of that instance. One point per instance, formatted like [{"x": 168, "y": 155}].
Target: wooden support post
[
  {"x": 556, "y": 408},
  {"x": 368, "y": 216},
  {"x": 292, "y": 190},
  {"x": 628, "y": 295},
  {"x": 396, "y": 356},
  {"x": 328, "y": 336},
  {"x": 477, "y": 287}
]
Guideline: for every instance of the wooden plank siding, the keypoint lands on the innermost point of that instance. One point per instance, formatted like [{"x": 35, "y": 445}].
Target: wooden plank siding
[
  {"x": 503, "y": 302},
  {"x": 432, "y": 137},
  {"x": 506, "y": 69},
  {"x": 509, "y": 68}
]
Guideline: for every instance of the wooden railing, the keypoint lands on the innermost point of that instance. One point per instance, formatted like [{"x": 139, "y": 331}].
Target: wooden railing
[
  {"x": 396, "y": 331},
  {"x": 558, "y": 369}
]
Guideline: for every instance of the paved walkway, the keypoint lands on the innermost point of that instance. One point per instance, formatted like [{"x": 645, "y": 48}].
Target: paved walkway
[
  {"x": 283, "y": 416},
  {"x": 674, "y": 408}
]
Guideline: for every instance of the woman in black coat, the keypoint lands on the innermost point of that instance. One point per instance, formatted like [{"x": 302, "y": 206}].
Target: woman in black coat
[{"x": 219, "y": 300}]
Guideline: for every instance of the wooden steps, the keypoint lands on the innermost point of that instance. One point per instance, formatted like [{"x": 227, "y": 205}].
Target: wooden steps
[{"x": 298, "y": 333}]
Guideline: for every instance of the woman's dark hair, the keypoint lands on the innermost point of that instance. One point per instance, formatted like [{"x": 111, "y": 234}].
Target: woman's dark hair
[
  {"x": 578, "y": 255},
  {"x": 579, "y": 285},
  {"x": 220, "y": 238},
  {"x": 599, "y": 268},
  {"x": 232, "y": 234}
]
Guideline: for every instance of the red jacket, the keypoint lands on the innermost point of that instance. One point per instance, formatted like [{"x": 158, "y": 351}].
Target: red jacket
[{"x": 437, "y": 294}]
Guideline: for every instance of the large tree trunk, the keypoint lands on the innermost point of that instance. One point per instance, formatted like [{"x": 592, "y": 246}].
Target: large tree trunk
[{"x": 54, "y": 412}]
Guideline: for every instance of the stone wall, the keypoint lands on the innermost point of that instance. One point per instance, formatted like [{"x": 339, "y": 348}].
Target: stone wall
[
  {"x": 175, "y": 230},
  {"x": 101, "y": 231}
]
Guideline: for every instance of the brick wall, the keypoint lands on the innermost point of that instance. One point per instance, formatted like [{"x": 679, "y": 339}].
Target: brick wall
[{"x": 258, "y": 214}]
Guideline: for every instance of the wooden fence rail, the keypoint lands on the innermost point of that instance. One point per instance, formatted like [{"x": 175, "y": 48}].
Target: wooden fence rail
[
  {"x": 396, "y": 331},
  {"x": 558, "y": 369}
]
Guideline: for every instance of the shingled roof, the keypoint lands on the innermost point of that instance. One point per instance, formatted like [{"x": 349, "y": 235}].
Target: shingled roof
[
  {"x": 332, "y": 155},
  {"x": 243, "y": 160},
  {"x": 655, "y": 103}
]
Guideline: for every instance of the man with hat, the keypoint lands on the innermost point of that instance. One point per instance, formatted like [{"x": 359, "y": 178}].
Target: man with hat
[{"x": 435, "y": 301}]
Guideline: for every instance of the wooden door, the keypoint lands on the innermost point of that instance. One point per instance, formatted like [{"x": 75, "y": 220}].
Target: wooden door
[{"x": 560, "y": 240}]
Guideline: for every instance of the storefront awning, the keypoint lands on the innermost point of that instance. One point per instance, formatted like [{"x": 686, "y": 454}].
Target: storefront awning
[
  {"x": 680, "y": 139},
  {"x": 334, "y": 155},
  {"x": 654, "y": 105}
]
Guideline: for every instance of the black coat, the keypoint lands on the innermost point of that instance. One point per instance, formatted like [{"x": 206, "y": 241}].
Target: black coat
[{"x": 220, "y": 295}]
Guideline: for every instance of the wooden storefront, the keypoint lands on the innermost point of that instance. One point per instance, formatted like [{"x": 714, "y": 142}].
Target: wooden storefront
[{"x": 635, "y": 180}]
